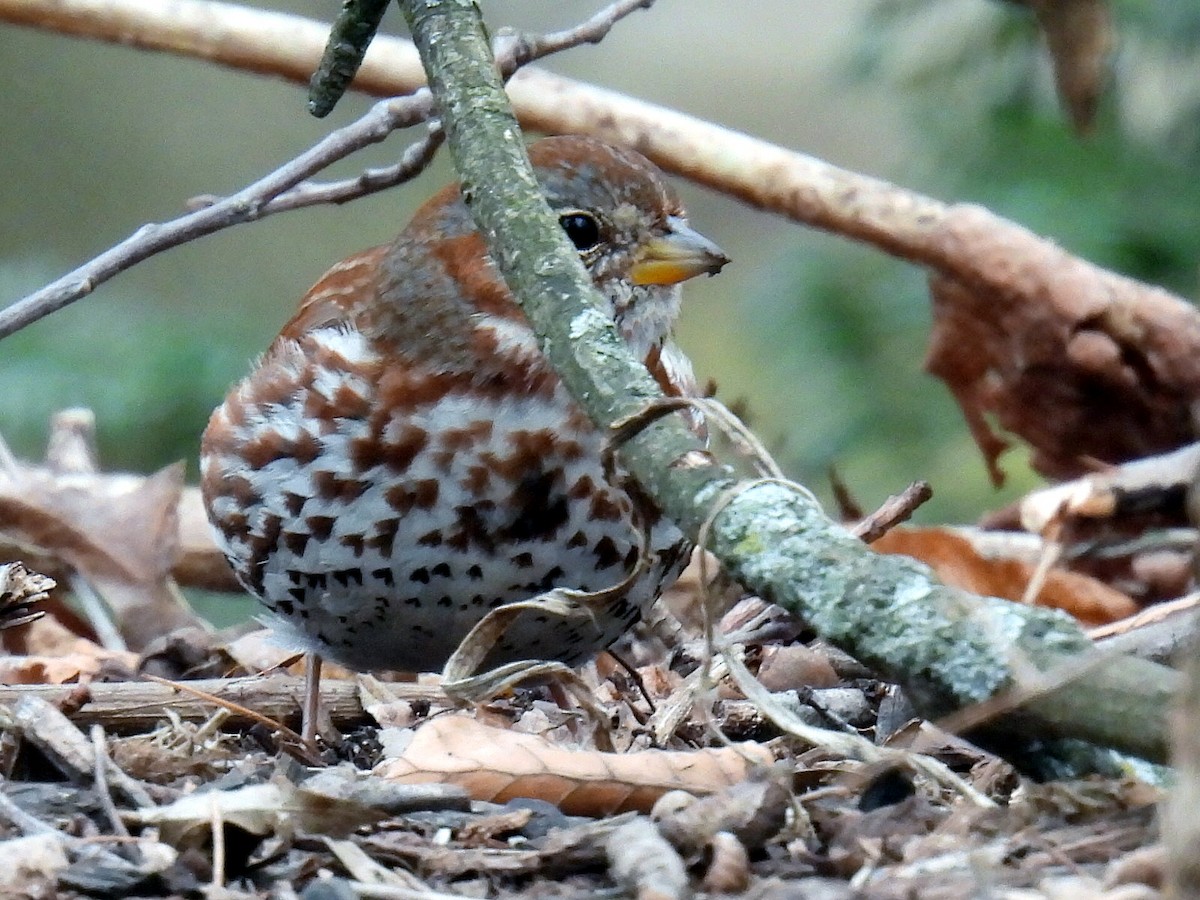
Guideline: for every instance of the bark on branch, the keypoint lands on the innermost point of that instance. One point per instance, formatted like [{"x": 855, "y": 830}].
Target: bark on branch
[{"x": 948, "y": 648}]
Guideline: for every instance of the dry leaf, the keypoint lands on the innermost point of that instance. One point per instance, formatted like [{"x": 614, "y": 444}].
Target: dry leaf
[
  {"x": 120, "y": 532},
  {"x": 957, "y": 562},
  {"x": 258, "y": 808},
  {"x": 50, "y": 669},
  {"x": 1111, "y": 492},
  {"x": 120, "y": 527},
  {"x": 53, "y": 654},
  {"x": 497, "y": 765},
  {"x": 20, "y": 589},
  {"x": 262, "y": 651},
  {"x": 1080, "y": 363},
  {"x": 277, "y": 806}
]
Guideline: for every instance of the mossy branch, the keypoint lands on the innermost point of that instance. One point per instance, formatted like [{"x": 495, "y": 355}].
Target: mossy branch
[{"x": 949, "y": 649}]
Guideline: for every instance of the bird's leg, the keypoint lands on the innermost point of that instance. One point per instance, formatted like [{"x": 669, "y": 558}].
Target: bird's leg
[{"x": 312, "y": 697}]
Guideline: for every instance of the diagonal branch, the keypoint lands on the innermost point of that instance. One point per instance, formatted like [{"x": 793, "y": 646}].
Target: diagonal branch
[{"x": 948, "y": 648}]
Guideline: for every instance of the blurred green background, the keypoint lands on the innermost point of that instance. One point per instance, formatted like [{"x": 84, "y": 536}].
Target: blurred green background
[{"x": 822, "y": 339}]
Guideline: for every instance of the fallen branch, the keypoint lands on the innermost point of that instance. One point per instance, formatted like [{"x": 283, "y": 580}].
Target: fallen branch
[{"x": 130, "y": 706}]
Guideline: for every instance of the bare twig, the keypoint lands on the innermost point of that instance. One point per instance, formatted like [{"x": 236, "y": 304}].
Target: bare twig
[
  {"x": 285, "y": 188},
  {"x": 895, "y": 509},
  {"x": 127, "y": 706},
  {"x": 515, "y": 50},
  {"x": 100, "y": 773},
  {"x": 247, "y": 205},
  {"x": 412, "y": 163}
]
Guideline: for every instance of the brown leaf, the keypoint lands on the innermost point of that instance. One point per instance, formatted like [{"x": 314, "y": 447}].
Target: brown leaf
[
  {"x": 1079, "y": 363},
  {"x": 118, "y": 528},
  {"x": 120, "y": 532},
  {"x": 262, "y": 651},
  {"x": 497, "y": 764},
  {"x": 53, "y": 654}
]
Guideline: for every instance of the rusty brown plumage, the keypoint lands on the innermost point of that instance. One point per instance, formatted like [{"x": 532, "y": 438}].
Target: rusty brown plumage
[{"x": 404, "y": 459}]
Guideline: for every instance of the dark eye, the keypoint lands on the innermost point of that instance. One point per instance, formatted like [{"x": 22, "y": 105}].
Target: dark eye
[{"x": 582, "y": 229}]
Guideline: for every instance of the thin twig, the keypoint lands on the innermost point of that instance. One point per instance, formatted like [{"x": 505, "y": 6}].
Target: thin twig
[
  {"x": 100, "y": 773},
  {"x": 412, "y": 162},
  {"x": 290, "y": 741},
  {"x": 285, "y": 188},
  {"x": 894, "y": 510},
  {"x": 514, "y": 50},
  {"x": 247, "y": 205}
]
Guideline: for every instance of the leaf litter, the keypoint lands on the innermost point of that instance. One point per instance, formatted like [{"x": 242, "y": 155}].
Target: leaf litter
[{"x": 822, "y": 781}]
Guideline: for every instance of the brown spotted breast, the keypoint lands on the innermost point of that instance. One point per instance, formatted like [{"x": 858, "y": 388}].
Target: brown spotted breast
[{"x": 403, "y": 459}]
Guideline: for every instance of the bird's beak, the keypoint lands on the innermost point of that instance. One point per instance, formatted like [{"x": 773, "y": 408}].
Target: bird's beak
[{"x": 676, "y": 256}]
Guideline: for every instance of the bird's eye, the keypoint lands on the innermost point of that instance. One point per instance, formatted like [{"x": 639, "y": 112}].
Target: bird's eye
[{"x": 581, "y": 228}]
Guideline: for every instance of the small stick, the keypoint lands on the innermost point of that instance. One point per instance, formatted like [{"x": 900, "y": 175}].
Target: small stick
[
  {"x": 131, "y": 706},
  {"x": 218, "y": 842},
  {"x": 101, "y": 776},
  {"x": 894, "y": 510},
  {"x": 312, "y": 698}
]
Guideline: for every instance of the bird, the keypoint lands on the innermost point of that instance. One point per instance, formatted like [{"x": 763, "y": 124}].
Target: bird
[{"x": 403, "y": 459}]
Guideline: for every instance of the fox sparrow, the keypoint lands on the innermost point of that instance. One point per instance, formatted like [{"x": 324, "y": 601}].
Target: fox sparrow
[{"x": 403, "y": 459}]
